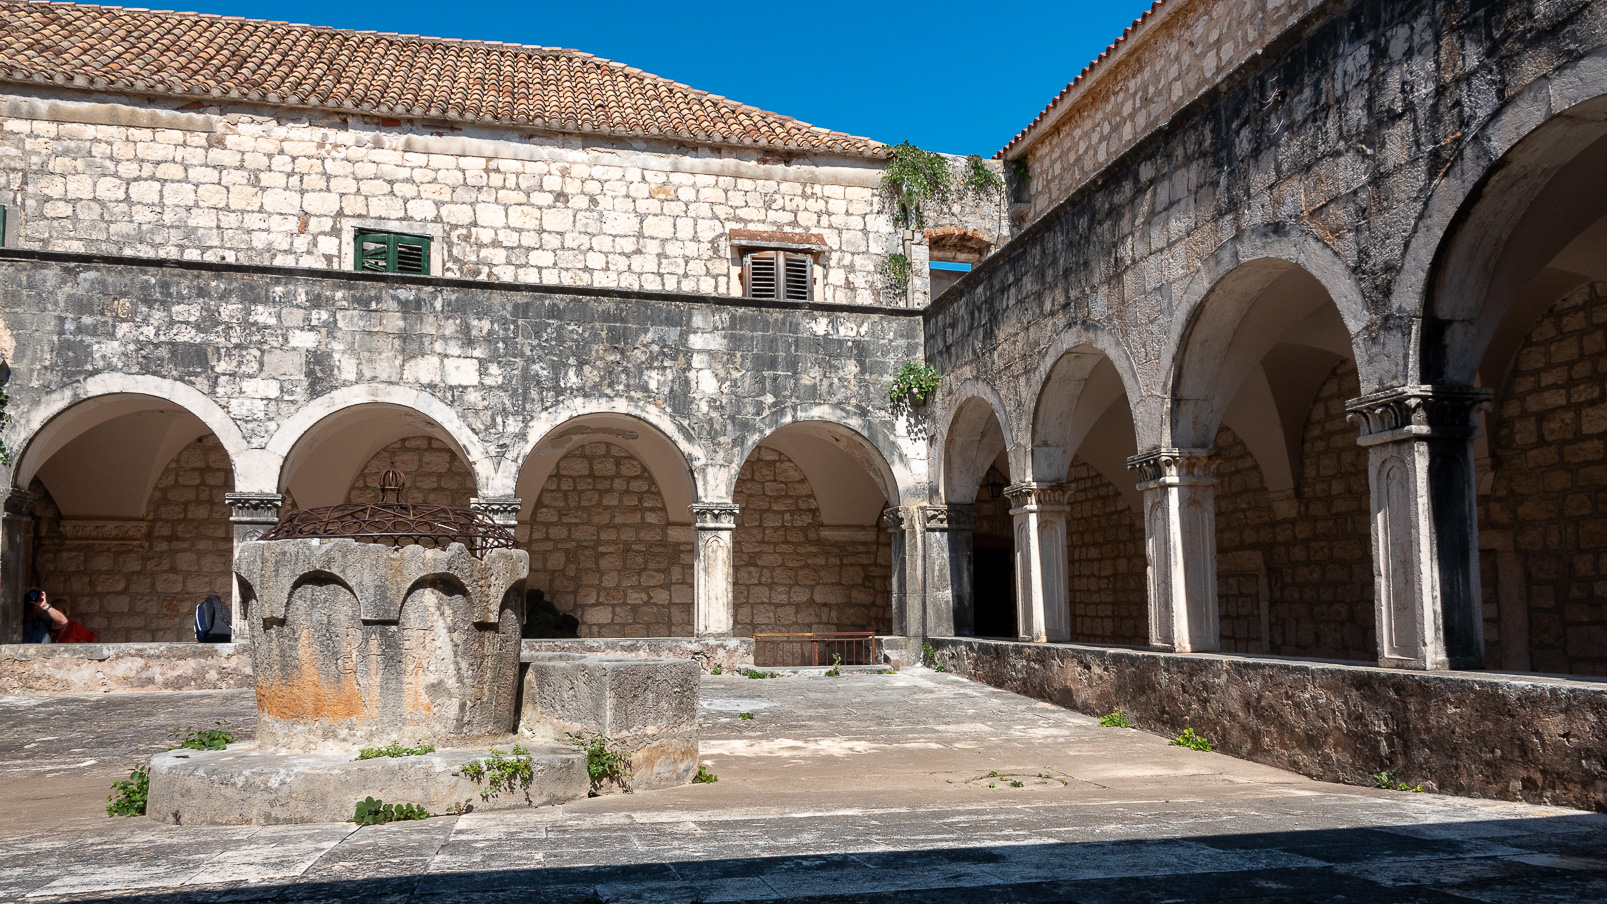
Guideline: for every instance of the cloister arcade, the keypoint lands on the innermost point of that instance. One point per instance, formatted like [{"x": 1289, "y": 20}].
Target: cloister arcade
[{"x": 128, "y": 505}]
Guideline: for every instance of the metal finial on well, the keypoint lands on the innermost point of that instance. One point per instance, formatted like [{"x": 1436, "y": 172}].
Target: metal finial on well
[{"x": 391, "y": 484}]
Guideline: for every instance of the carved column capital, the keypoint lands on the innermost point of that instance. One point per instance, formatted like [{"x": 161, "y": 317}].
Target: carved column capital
[
  {"x": 1173, "y": 467},
  {"x": 1040, "y": 496},
  {"x": 948, "y": 517},
  {"x": 19, "y": 503},
  {"x": 715, "y": 515},
  {"x": 254, "y": 508},
  {"x": 1419, "y": 412},
  {"x": 504, "y": 510}
]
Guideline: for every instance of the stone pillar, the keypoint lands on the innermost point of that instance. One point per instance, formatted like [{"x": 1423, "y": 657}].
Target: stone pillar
[
  {"x": 16, "y": 531},
  {"x": 946, "y": 552},
  {"x": 1179, "y": 487},
  {"x": 1419, "y": 442},
  {"x": 713, "y": 576},
  {"x": 907, "y": 578},
  {"x": 252, "y": 514},
  {"x": 504, "y": 510},
  {"x": 1043, "y": 603}
]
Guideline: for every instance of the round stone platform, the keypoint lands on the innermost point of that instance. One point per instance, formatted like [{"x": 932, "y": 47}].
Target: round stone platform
[{"x": 247, "y": 786}]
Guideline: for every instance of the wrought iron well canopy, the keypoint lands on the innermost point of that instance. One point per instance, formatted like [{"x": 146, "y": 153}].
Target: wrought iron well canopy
[{"x": 395, "y": 523}]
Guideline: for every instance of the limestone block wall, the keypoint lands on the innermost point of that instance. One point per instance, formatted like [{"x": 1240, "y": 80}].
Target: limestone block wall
[
  {"x": 1179, "y": 51},
  {"x": 1106, "y": 563},
  {"x": 1310, "y": 566},
  {"x": 1542, "y": 514},
  {"x": 274, "y": 187},
  {"x": 602, "y": 548},
  {"x": 143, "y": 585},
  {"x": 793, "y": 574},
  {"x": 434, "y": 472}
]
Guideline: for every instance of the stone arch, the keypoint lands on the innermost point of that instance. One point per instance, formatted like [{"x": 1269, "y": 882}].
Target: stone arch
[
  {"x": 65, "y": 413},
  {"x": 663, "y": 454},
  {"x": 966, "y": 422},
  {"x": 1565, "y": 108},
  {"x": 354, "y": 424},
  {"x": 667, "y": 432},
  {"x": 808, "y": 551},
  {"x": 1082, "y": 436},
  {"x": 129, "y": 477},
  {"x": 859, "y": 436}
]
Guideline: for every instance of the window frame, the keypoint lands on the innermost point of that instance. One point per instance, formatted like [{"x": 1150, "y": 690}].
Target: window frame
[
  {"x": 781, "y": 256},
  {"x": 393, "y": 241}
]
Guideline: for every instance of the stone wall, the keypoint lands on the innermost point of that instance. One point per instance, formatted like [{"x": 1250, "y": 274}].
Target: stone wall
[
  {"x": 602, "y": 548},
  {"x": 1107, "y": 567},
  {"x": 435, "y": 474},
  {"x": 1543, "y": 507},
  {"x": 794, "y": 574},
  {"x": 1537, "y": 740},
  {"x": 259, "y": 186},
  {"x": 146, "y": 589},
  {"x": 1308, "y": 566},
  {"x": 93, "y": 668},
  {"x": 1178, "y": 51}
]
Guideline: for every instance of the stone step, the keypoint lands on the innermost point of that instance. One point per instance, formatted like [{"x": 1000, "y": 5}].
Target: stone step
[{"x": 246, "y": 786}]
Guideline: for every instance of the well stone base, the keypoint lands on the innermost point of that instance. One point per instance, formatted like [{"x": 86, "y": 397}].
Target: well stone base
[{"x": 246, "y": 786}]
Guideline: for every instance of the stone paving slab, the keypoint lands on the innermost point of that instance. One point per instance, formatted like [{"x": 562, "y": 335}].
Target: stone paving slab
[{"x": 865, "y": 787}]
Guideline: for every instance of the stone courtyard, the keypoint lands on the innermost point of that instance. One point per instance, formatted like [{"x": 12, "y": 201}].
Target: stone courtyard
[{"x": 864, "y": 787}]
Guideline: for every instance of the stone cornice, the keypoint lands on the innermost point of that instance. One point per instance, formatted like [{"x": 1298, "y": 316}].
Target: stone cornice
[
  {"x": 1418, "y": 412},
  {"x": 504, "y": 510},
  {"x": 254, "y": 508},
  {"x": 948, "y": 517}
]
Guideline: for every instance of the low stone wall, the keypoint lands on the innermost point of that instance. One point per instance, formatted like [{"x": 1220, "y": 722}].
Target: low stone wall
[
  {"x": 96, "y": 667},
  {"x": 726, "y": 652},
  {"x": 1541, "y": 740}
]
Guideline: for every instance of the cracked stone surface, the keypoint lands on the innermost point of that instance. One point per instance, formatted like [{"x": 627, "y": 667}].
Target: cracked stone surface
[{"x": 865, "y": 787}]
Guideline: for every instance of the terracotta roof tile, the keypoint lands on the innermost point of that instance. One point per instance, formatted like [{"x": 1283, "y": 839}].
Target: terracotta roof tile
[{"x": 207, "y": 56}]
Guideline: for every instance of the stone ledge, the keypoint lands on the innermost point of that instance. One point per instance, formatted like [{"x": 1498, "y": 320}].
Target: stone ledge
[
  {"x": 729, "y": 653},
  {"x": 246, "y": 786},
  {"x": 1511, "y": 737},
  {"x": 99, "y": 667}
]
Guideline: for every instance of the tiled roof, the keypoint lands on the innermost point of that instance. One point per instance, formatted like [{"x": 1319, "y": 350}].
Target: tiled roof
[
  {"x": 1088, "y": 70},
  {"x": 225, "y": 58}
]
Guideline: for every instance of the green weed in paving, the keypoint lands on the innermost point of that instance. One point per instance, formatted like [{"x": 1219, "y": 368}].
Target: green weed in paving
[
  {"x": 394, "y": 750},
  {"x": 129, "y": 797},
  {"x": 1191, "y": 740},
  {"x": 1117, "y": 719},
  {"x": 371, "y": 812}
]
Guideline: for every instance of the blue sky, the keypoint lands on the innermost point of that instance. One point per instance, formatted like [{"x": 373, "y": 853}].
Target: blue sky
[{"x": 960, "y": 77}]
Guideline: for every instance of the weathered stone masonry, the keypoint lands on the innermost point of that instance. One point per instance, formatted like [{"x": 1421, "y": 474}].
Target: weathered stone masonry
[{"x": 260, "y": 356}]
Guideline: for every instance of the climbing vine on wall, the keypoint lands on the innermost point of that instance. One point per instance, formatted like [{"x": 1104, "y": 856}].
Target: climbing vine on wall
[{"x": 912, "y": 178}]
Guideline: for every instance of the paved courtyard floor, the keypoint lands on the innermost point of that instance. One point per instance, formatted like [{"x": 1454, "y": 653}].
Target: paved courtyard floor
[{"x": 860, "y": 788}]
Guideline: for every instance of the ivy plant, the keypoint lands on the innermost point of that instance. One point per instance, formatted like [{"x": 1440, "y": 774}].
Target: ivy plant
[
  {"x": 371, "y": 812},
  {"x": 129, "y": 797},
  {"x": 979, "y": 178},
  {"x": 913, "y": 177},
  {"x": 898, "y": 268},
  {"x": 914, "y": 378}
]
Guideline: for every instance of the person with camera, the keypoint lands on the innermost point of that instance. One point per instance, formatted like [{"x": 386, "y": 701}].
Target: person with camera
[{"x": 41, "y": 621}]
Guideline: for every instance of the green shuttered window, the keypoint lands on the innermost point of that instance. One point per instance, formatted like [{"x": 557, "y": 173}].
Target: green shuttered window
[{"x": 392, "y": 252}]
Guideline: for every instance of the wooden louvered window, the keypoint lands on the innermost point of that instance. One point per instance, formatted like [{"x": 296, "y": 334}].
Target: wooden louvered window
[
  {"x": 784, "y": 275},
  {"x": 392, "y": 252}
]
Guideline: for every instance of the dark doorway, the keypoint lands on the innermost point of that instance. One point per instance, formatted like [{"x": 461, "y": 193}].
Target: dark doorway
[{"x": 993, "y": 584}]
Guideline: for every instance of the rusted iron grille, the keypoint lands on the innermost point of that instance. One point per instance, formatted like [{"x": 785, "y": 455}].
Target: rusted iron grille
[
  {"x": 795, "y": 650},
  {"x": 396, "y": 524}
]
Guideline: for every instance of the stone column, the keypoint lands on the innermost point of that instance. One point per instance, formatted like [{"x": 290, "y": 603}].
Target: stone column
[
  {"x": 713, "y": 576},
  {"x": 946, "y": 551},
  {"x": 252, "y": 514},
  {"x": 1043, "y": 604},
  {"x": 909, "y": 604},
  {"x": 16, "y": 529},
  {"x": 1179, "y": 487},
  {"x": 1419, "y": 442}
]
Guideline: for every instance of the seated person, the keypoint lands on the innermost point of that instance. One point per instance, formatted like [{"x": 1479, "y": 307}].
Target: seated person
[{"x": 40, "y": 620}]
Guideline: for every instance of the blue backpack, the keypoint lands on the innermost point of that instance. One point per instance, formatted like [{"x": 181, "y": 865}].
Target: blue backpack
[{"x": 214, "y": 623}]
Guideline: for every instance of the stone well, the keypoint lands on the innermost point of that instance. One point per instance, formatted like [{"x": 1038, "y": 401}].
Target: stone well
[{"x": 358, "y": 644}]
